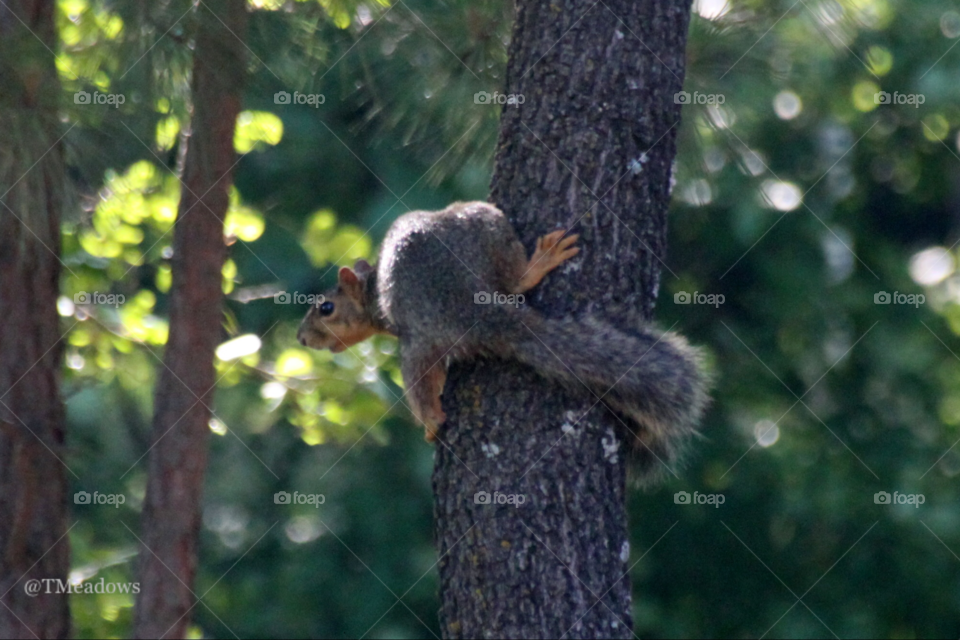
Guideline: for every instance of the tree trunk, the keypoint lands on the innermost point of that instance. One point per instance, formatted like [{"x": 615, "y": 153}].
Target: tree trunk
[
  {"x": 589, "y": 149},
  {"x": 33, "y": 487},
  {"x": 172, "y": 508}
]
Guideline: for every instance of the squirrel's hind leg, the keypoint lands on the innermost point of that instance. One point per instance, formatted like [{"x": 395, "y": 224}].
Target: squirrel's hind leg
[
  {"x": 552, "y": 251},
  {"x": 424, "y": 377}
]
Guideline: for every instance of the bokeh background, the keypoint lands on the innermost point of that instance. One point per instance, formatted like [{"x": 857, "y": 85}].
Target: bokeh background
[{"x": 801, "y": 196}]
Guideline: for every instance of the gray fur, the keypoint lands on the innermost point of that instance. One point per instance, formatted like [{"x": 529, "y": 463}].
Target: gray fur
[{"x": 433, "y": 264}]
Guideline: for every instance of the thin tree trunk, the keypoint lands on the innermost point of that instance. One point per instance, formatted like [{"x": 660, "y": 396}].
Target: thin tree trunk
[
  {"x": 590, "y": 148},
  {"x": 178, "y": 459},
  {"x": 33, "y": 487}
]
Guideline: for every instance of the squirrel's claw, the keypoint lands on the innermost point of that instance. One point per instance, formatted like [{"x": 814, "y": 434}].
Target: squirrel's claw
[
  {"x": 565, "y": 249},
  {"x": 553, "y": 249}
]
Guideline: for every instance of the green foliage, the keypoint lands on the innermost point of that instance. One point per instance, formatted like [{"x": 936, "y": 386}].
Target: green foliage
[{"x": 799, "y": 198}]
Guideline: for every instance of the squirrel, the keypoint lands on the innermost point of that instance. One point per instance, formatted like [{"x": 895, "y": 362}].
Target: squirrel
[{"x": 429, "y": 290}]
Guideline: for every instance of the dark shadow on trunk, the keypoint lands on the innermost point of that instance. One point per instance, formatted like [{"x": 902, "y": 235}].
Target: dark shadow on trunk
[{"x": 33, "y": 485}]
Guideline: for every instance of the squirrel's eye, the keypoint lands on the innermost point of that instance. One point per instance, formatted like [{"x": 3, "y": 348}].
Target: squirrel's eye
[{"x": 326, "y": 308}]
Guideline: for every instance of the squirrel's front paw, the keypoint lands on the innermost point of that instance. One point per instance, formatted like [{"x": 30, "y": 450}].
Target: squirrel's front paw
[{"x": 552, "y": 250}]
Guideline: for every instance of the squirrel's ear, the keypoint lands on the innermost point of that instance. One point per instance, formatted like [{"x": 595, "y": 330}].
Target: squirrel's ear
[
  {"x": 349, "y": 282},
  {"x": 347, "y": 277},
  {"x": 362, "y": 267}
]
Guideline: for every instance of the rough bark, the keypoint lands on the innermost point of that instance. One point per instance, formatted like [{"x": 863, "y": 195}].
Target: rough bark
[
  {"x": 590, "y": 149},
  {"x": 33, "y": 488},
  {"x": 180, "y": 435}
]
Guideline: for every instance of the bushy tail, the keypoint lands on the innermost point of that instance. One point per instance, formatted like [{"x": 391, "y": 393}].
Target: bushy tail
[{"x": 653, "y": 380}]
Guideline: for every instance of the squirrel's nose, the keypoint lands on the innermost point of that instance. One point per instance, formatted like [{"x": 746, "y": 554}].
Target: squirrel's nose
[{"x": 302, "y": 340}]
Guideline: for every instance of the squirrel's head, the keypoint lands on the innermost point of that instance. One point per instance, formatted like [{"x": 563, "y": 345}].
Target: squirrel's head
[{"x": 342, "y": 317}]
